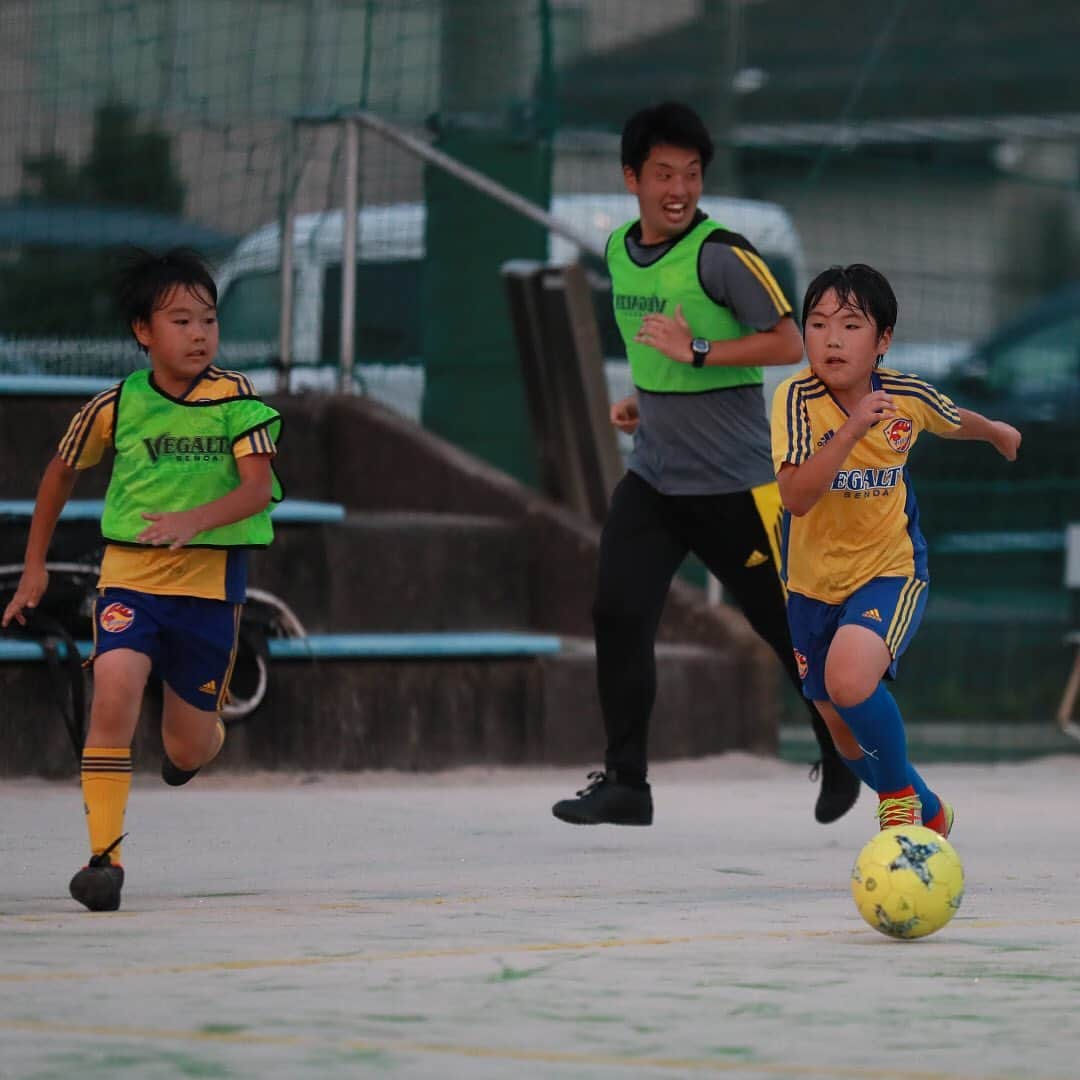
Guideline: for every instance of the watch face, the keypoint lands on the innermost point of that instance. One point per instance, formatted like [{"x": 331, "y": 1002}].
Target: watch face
[{"x": 700, "y": 345}]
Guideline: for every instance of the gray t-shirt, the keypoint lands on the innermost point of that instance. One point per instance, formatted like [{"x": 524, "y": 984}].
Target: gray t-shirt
[{"x": 715, "y": 442}]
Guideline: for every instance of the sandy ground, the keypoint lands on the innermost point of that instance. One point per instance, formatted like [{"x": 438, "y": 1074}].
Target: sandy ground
[{"x": 448, "y": 926}]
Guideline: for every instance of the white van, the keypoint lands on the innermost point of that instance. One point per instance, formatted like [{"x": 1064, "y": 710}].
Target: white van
[{"x": 389, "y": 309}]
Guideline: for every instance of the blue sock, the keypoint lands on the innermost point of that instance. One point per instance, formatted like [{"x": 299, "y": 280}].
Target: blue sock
[
  {"x": 931, "y": 804},
  {"x": 879, "y": 728},
  {"x": 863, "y": 768}
]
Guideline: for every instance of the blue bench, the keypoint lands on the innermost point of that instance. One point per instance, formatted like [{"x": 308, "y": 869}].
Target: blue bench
[
  {"x": 289, "y": 511},
  {"x": 404, "y": 646},
  {"x": 13, "y": 650},
  {"x": 81, "y": 386},
  {"x": 1037, "y": 541},
  {"x": 408, "y": 645}
]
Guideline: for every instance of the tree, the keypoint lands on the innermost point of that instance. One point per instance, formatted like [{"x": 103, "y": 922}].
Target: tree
[{"x": 53, "y": 289}]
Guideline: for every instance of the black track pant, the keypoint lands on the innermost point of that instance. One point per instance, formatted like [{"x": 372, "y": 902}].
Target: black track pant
[{"x": 645, "y": 539}]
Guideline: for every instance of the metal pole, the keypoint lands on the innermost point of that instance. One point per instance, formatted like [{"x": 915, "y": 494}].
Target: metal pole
[
  {"x": 475, "y": 179},
  {"x": 720, "y": 25},
  {"x": 348, "y": 252},
  {"x": 288, "y": 240}
]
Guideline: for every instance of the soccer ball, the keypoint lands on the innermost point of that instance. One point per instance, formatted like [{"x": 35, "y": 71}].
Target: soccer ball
[{"x": 907, "y": 882}]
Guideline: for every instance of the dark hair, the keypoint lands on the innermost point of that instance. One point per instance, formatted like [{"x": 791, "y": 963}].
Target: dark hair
[
  {"x": 668, "y": 124},
  {"x": 857, "y": 286},
  {"x": 145, "y": 280}
]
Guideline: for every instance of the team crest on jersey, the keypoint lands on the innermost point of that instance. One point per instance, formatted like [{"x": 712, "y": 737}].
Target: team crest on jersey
[
  {"x": 800, "y": 661},
  {"x": 116, "y": 617},
  {"x": 898, "y": 432}
]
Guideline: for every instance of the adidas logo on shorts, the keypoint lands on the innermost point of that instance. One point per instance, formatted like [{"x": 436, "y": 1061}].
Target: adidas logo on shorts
[{"x": 209, "y": 687}]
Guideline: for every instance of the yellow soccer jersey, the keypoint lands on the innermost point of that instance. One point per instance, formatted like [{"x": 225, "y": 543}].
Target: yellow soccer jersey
[
  {"x": 867, "y": 523},
  {"x": 216, "y": 574}
]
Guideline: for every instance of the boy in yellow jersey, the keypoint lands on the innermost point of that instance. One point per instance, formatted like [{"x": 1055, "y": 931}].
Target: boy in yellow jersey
[
  {"x": 854, "y": 557},
  {"x": 191, "y": 484}
]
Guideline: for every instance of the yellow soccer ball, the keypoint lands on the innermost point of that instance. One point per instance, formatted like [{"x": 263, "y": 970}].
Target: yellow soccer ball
[{"x": 908, "y": 881}]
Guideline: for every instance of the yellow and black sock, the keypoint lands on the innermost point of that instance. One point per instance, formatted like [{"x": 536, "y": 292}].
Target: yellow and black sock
[{"x": 106, "y": 781}]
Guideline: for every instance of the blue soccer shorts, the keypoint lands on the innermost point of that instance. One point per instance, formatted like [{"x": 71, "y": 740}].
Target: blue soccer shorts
[
  {"x": 191, "y": 641},
  {"x": 890, "y": 606}
]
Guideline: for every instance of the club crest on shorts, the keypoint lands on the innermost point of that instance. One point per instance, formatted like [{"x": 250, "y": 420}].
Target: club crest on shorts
[
  {"x": 116, "y": 617},
  {"x": 801, "y": 663},
  {"x": 898, "y": 432}
]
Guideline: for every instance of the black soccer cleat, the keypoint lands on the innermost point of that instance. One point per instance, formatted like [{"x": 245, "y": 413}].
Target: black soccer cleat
[
  {"x": 604, "y": 801},
  {"x": 97, "y": 885},
  {"x": 173, "y": 775},
  {"x": 839, "y": 788}
]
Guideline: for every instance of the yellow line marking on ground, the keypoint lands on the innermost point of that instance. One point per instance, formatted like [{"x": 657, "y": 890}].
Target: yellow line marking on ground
[
  {"x": 485, "y": 950},
  {"x": 374, "y": 904},
  {"x": 496, "y": 1053}
]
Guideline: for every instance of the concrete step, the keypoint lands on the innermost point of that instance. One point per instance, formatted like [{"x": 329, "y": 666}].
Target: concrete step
[
  {"x": 388, "y": 570},
  {"x": 425, "y": 714},
  {"x": 397, "y": 571}
]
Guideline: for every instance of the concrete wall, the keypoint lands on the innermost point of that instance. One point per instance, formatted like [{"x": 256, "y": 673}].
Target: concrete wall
[{"x": 718, "y": 682}]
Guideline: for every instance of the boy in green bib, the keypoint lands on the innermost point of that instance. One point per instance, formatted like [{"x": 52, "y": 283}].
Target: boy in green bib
[
  {"x": 192, "y": 481},
  {"x": 700, "y": 314}
]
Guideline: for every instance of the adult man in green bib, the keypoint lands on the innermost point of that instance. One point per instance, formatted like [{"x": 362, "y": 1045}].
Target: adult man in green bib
[{"x": 700, "y": 314}]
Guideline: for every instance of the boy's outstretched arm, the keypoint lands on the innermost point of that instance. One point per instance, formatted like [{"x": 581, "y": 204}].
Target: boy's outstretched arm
[
  {"x": 53, "y": 493},
  {"x": 250, "y": 496},
  {"x": 801, "y": 486},
  {"x": 1004, "y": 438}
]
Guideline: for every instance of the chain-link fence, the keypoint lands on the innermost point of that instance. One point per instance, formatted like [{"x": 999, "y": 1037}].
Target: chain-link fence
[{"x": 941, "y": 144}]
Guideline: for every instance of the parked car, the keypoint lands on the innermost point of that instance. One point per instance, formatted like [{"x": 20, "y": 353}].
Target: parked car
[
  {"x": 1029, "y": 368},
  {"x": 57, "y": 317},
  {"x": 1026, "y": 372}
]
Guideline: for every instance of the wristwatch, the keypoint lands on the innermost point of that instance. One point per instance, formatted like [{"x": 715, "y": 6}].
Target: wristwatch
[{"x": 700, "y": 348}]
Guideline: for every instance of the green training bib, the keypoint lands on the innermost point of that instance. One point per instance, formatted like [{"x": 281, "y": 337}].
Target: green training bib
[
  {"x": 174, "y": 455},
  {"x": 660, "y": 288}
]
